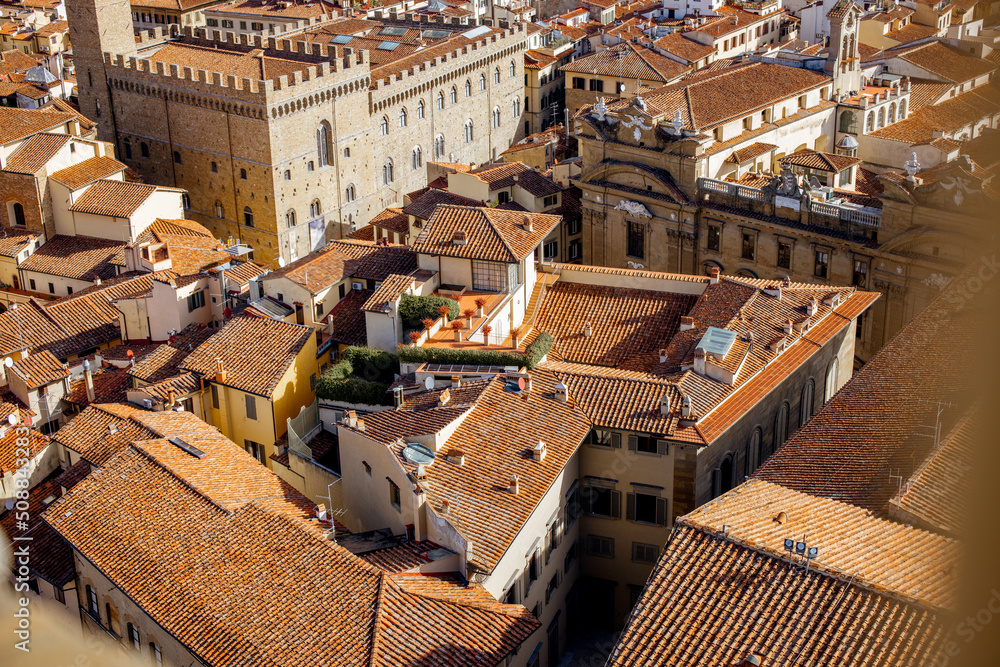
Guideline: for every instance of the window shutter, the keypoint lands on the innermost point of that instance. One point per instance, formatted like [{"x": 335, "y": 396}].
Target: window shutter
[
  {"x": 251, "y": 406},
  {"x": 616, "y": 504},
  {"x": 616, "y": 440},
  {"x": 215, "y": 396},
  {"x": 662, "y": 517},
  {"x": 630, "y": 507},
  {"x": 633, "y": 442},
  {"x": 662, "y": 447}
]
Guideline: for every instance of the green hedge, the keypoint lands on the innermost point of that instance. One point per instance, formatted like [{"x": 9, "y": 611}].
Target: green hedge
[
  {"x": 353, "y": 390},
  {"x": 370, "y": 364},
  {"x": 440, "y": 355},
  {"x": 415, "y": 309},
  {"x": 538, "y": 349}
]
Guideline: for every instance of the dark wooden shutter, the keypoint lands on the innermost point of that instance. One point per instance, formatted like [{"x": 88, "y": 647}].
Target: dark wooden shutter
[{"x": 630, "y": 507}]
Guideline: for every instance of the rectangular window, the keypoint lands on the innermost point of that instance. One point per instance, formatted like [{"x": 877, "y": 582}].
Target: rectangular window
[
  {"x": 60, "y": 594},
  {"x": 257, "y": 26},
  {"x": 579, "y": 83},
  {"x": 596, "y": 85},
  {"x": 575, "y": 249},
  {"x": 749, "y": 245},
  {"x": 603, "y": 438},
  {"x": 550, "y": 250},
  {"x": 256, "y": 450},
  {"x": 644, "y": 553},
  {"x": 598, "y": 545},
  {"x": 860, "y": 273},
  {"x": 714, "y": 237},
  {"x": 32, "y": 283},
  {"x": 573, "y": 227},
  {"x": 510, "y": 597},
  {"x": 858, "y": 327},
  {"x": 571, "y": 553},
  {"x": 646, "y": 508},
  {"x": 636, "y": 240},
  {"x": 69, "y": 289},
  {"x": 532, "y": 570},
  {"x": 319, "y": 310},
  {"x": 312, "y": 382},
  {"x": 196, "y": 301},
  {"x": 394, "y": 498},
  {"x": 549, "y": 201},
  {"x": 573, "y": 507},
  {"x": 602, "y": 501},
  {"x": 647, "y": 444},
  {"x": 342, "y": 290},
  {"x": 822, "y": 268},
  {"x": 784, "y": 255},
  {"x": 489, "y": 276},
  {"x": 52, "y": 288},
  {"x": 215, "y": 396},
  {"x": 251, "y": 402},
  {"x": 227, "y": 24},
  {"x": 551, "y": 588}
]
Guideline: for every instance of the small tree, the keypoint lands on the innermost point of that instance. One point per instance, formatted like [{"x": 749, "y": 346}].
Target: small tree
[
  {"x": 415, "y": 336},
  {"x": 469, "y": 312},
  {"x": 443, "y": 311},
  {"x": 487, "y": 330},
  {"x": 428, "y": 323}
]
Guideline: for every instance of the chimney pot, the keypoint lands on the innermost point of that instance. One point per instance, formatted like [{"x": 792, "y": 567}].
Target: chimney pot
[
  {"x": 562, "y": 392},
  {"x": 699, "y": 361},
  {"x": 361, "y": 424},
  {"x": 812, "y": 307},
  {"x": 663, "y": 355},
  {"x": 444, "y": 397},
  {"x": 514, "y": 485},
  {"x": 665, "y": 405},
  {"x": 687, "y": 322},
  {"x": 456, "y": 381},
  {"x": 713, "y": 275},
  {"x": 588, "y": 331},
  {"x": 538, "y": 453},
  {"x": 685, "y": 407}
]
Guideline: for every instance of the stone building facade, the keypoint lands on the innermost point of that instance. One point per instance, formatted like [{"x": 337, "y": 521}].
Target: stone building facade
[{"x": 286, "y": 143}]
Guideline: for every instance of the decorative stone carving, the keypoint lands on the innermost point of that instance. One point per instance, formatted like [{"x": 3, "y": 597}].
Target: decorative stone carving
[
  {"x": 633, "y": 208},
  {"x": 601, "y": 109},
  {"x": 637, "y": 123}
]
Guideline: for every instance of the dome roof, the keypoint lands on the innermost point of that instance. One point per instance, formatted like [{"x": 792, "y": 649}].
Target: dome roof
[
  {"x": 847, "y": 141},
  {"x": 39, "y": 74}
]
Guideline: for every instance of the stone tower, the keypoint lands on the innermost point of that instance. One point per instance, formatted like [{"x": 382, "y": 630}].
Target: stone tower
[
  {"x": 843, "y": 62},
  {"x": 97, "y": 27}
]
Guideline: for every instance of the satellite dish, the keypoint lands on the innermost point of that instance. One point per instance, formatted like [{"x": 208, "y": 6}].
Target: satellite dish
[
  {"x": 8, "y": 362},
  {"x": 281, "y": 262},
  {"x": 9, "y": 504},
  {"x": 429, "y": 382},
  {"x": 11, "y": 419},
  {"x": 520, "y": 383}
]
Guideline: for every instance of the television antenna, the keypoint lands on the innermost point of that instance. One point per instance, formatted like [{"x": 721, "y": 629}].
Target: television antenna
[{"x": 331, "y": 514}]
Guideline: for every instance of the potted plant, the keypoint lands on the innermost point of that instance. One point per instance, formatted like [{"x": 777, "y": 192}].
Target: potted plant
[
  {"x": 515, "y": 334},
  {"x": 469, "y": 312},
  {"x": 480, "y": 304},
  {"x": 487, "y": 330},
  {"x": 415, "y": 336},
  {"x": 443, "y": 313},
  {"x": 457, "y": 326},
  {"x": 428, "y": 323}
]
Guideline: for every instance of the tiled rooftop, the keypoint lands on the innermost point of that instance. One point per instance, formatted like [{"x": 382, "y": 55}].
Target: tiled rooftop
[
  {"x": 490, "y": 234},
  {"x": 34, "y": 153},
  {"x": 88, "y": 171},
  {"x": 628, "y": 61},
  {"x": 40, "y": 368},
  {"x": 78, "y": 257},
  {"x": 113, "y": 198},
  {"x": 51, "y": 557}
]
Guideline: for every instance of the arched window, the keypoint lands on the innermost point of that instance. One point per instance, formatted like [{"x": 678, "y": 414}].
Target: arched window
[
  {"x": 881, "y": 117},
  {"x": 324, "y": 144},
  {"x": 843, "y": 50},
  {"x": 832, "y": 380},
  {"x": 516, "y": 108},
  {"x": 247, "y": 216},
  {"x": 849, "y": 122},
  {"x": 290, "y": 218},
  {"x": 144, "y": 149},
  {"x": 781, "y": 426},
  {"x": 418, "y": 159},
  {"x": 420, "y": 110},
  {"x": 468, "y": 131},
  {"x": 902, "y": 109},
  {"x": 315, "y": 209},
  {"x": 243, "y": 174},
  {"x": 468, "y": 88},
  {"x": 441, "y": 100},
  {"x": 133, "y": 637},
  {"x": 177, "y": 157},
  {"x": 482, "y": 82},
  {"x": 513, "y": 69},
  {"x": 496, "y": 117},
  {"x": 454, "y": 95},
  {"x": 851, "y": 51},
  {"x": 17, "y": 214},
  {"x": 870, "y": 123},
  {"x": 496, "y": 75},
  {"x": 128, "y": 149},
  {"x": 806, "y": 406},
  {"x": 439, "y": 146},
  {"x": 112, "y": 614},
  {"x": 349, "y": 193},
  {"x": 753, "y": 452},
  {"x": 215, "y": 169},
  {"x": 387, "y": 175},
  {"x": 722, "y": 477},
  {"x": 186, "y": 200},
  {"x": 288, "y": 174},
  {"x": 892, "y": 113},
  {"x": 384, "y": 126},
  {"x": 155, "y": 655},
  {"x": 402, "y": 117},
  {"x": 92, "y": 605},
  {"x": 219, "y": 211}
]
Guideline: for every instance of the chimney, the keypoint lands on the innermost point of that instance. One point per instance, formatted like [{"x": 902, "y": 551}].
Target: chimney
[
  {"x": 459, "y": 238},
  {"x": 330, "y": 329},
  {"x": 527, "y": 223},
  {"x": 421, "y": 472},
  {"x": 685, "y": 407},
  {"x": 538, "y": 453},
  {"x": 588, "y": 331},
  {"x": 445, "y": 506},
  {"x": 527, "y": 382},
  {"x": 562, "y": 392},
  {"x": 687, "y": 322},
  {"x": 699, "y": 361},
  {"x": 812, "y": 307},
  {"x": 397, "y": 396},
  {"x": 444, "y": 397},
  {"x": 361, "y": 424},
  {"x": 220, "y": 371},
  {"x": 514, "y": 485},
  {"x": 789, "y": 326},
  {"x": 786, "y": 282},
  {"x": 171, "y": 398},
  {"x": 665, "y": 405},
  {"x": 88, "y": 382},
  {"x": 456, "y": 381},
  {"x": 456, "y": 456},
  {"x": 713, "y": 276},
  {"x": 663, "y": 355},
  {"x": 351, "y": 418}
]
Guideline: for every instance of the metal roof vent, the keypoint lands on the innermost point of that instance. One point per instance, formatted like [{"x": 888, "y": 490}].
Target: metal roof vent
[
  {"x": 459, "y": 238},
  {"x": 190, "y": 449}
]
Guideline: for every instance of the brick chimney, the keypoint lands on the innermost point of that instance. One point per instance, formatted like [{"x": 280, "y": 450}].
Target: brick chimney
[
  {"x": 713, "y": 276},
  {"x": 665, "y": 405},
  {"x": 528, "y": 227},
  {"x": 514, "y": 485},
  {"x": 789, "y": 326},
  {"x": 527, "y": 382},
  {"x": 699, "y": 361},
  {"x": 687, "y": 322},
  {"x": 171, "y": 399},
  {"x": 220, "y": 371},
  {"x": 444, "y": 397}
]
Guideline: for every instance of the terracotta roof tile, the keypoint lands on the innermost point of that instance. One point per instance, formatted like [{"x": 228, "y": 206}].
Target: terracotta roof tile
[
  {"x": 392, "y": 219},
  {"x": 750, "y": 152},
  {"x": 376, "y": 262},
  {"x": 113, "y": 198},
  {"x": 387, "y": 292},
  {"x": 88, "y": 171},
  {"x": 13, "y": 241},
  {"x": 348, "y": 320},
  {"x": 35, "y": 153},
  {"x": 628, "y": 61},
  {"x": 110, "y": 386},
  {"x": 811, "y": 159},
  {"x": 51, "y": 557},
  {"x": 77, "y": 257},
  {"x": 39, "y": 369},
  {"x": 73, "y": 475},
  {"x": 423, "y": 206},
  {"x": 18, "y": 123},
  {"x": 255, "y": 351},
  {"x": 9, "y": 446},
  {"x": 490, "y": 234}
]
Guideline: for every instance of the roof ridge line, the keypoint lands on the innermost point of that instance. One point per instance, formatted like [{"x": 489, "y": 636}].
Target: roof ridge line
[
  {"x": 377, "y": 620},
  {"x": 489, "y": 219},
  {"x": 483, "y": 606}
]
